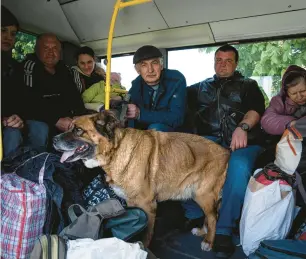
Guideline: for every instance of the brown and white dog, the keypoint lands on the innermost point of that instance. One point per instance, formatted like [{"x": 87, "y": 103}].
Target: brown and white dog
[{"x": 146, "y": 166}]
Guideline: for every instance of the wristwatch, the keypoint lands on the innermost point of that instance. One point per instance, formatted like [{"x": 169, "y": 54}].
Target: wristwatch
[{"x": 244, "y": 126}]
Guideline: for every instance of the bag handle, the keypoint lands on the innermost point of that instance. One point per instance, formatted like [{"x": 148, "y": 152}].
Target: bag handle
[
  {"x": 42, "y": 171},
  {"x": 300, "y": 186},
  {"x": 108, "y": 208},
  {"x": 73, "y": 216}
]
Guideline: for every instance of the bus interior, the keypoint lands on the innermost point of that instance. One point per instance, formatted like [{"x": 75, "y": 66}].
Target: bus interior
[{"x": 185, "y": 31}]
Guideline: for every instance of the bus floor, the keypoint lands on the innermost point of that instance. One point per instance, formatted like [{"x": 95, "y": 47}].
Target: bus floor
[{"x": 169, "y": 242}]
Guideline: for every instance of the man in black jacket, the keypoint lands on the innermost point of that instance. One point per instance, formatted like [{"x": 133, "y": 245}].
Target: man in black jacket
[
  {"x": 14, "y": 100},
  {"x": 54, "y": 96},
  {"x": 228, "y": 111}
]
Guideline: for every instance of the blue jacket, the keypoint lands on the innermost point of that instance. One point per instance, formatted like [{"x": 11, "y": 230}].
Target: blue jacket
[{"x": 169, "y": 105}]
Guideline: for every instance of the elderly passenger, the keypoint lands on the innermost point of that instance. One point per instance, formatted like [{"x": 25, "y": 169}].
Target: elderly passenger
[
  {"x": 158, "y": 95},
  {"x": 289, "y": 105}
]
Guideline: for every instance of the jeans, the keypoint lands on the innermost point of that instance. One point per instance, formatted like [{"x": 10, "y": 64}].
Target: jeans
[
  {"x": 238, "y": 174},
  {"x": 37, "y": 136}
]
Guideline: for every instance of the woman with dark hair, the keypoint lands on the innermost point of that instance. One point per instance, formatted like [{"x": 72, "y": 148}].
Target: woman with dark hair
[
  {"x": 14, "y": 109},
  {"x": 90, "y": 82},
  {"x": 86, "y": 72}
]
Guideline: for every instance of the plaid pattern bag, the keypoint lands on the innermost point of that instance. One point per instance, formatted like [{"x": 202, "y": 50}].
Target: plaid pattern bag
[
  {"x": 97, "y": 191},
  {"x": 23, "y": 213}
]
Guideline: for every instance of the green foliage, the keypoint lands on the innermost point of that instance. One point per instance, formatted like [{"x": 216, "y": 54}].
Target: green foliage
[
  {"x": 269, "y": 58},
  {"x": 267, "y": 101},
  {"x": 24, "y": 45}
]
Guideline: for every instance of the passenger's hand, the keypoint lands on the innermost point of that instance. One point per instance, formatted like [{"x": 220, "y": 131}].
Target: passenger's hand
[
  {"x": 13, "y": 121},
  {"x": 132, "y": 111},
  {"x": 100, "y": 71},
  {"x": 292, "y": 123},
  {"x": 64, "y": 124},
  {"x": 239, "y": 139},
  {"x": 116, "y": 98}
]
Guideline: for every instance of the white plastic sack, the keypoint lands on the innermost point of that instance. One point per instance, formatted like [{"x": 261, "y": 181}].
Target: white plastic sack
[
  {"x": 288, "y": 152},
  {"x": 267, "y": 213},
  {"x": 106, "y": 248}
]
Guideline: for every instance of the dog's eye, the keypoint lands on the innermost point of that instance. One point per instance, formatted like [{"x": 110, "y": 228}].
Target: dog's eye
[{"x": 78, "y": 131}]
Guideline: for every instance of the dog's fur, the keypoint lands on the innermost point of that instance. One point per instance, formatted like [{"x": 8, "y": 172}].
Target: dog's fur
[{"x": 149, "y": 166}]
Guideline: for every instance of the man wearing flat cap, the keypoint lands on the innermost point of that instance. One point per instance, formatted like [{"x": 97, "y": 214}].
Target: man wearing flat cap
[
  {"x": 158, "y": 95},
  {"x": 16, "y": 127}
]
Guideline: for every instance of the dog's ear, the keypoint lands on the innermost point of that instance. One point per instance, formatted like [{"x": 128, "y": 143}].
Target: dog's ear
[{"x": 106, "y": 122}]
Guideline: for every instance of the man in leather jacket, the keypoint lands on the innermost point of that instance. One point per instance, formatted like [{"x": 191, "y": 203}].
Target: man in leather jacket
[{"x": 228, "y": 111}]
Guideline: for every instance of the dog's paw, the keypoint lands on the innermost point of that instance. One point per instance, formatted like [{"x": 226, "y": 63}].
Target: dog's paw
[
  {"x": 205, "y": 246},
  {"x": 199, "y": 231},
  {"x": 196, "y": 231}
]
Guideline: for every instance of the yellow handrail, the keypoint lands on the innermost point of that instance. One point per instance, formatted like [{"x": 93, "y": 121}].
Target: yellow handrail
[{"x": 118, "y": 5}]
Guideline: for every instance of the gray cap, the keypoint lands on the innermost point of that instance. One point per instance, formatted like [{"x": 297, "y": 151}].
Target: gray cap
[{"x": 146, "y": 52}]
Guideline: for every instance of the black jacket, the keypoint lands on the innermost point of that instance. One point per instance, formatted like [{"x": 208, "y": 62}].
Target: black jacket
[
  {"x": 52, "y": 96},
  {"x": 83, "y": 81},
  {"x": 219, "y": 97},
  {"x": 13, "y": 92}
]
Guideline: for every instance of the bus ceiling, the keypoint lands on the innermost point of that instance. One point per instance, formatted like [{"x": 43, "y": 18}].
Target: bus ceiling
[{"x": 163, "y": 23}]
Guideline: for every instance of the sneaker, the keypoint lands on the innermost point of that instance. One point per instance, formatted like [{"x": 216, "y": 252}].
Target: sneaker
[{"x": 223, "y": 246}]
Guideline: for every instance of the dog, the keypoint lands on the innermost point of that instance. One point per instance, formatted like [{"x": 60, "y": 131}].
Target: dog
[{"x": 147, "y": 166}]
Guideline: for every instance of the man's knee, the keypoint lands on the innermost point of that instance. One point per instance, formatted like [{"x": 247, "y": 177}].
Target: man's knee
[
  {"x": 12, "y": 139},
  {"x": 239, "y": 173},
  {"x": 160, "y": 127},
  {"x": 241, "y": 163},
  {"x": 38, "y": 132}
]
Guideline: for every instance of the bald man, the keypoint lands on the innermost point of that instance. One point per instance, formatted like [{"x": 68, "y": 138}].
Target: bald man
[{"x": 55, "y": 99}]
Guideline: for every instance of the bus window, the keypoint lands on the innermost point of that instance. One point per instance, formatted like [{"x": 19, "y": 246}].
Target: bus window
[
  {"x": 124, "y": 66},
  {"x": 24, "y": 45},
  {"x": 265, "y": 62},
  {"x": 195, "y": 64}
]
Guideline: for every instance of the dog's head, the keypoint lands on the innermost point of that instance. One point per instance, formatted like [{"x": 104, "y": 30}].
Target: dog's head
[{"x": 89, "y": 132}]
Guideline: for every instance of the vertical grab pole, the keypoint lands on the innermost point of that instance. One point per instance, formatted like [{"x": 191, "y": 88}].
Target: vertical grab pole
[
  {"x": 109, "y": 53},
  {"x": 118, "y": 6}
]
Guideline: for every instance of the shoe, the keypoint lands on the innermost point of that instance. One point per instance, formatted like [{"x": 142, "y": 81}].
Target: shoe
[
  {"x": 189, "y": 224},
  {"x": 223, "y": 246}
]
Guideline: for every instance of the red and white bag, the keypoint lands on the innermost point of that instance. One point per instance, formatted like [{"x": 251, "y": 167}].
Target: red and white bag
[{"x": 23, "y": 213}]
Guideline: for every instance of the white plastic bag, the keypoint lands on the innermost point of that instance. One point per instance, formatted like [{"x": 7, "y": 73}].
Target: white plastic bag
[
  {"x": 267, "y": 214},
  {"x": 105, "y": 248},
  {"x": 288, "y": 152}
]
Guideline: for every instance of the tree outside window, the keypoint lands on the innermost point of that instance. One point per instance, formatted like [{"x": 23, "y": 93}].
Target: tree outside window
[
  {"x": 269, "y": 59},
  {"x": 24, "y": 45}
]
